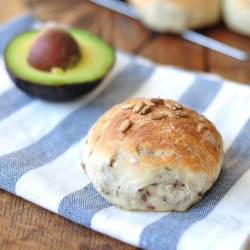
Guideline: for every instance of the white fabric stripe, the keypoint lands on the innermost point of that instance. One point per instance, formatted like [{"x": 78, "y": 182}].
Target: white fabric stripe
[
  {"x": 5, "y": 81},
  {"x": 35, "y": 120},
  {"x": 166, "y": 83},
  {"x": 123, "y": 225},
  {"x": 228, "y": 225},
  {"x": 225, "y": 97},
  {"x": 47, "y": 185},
  {"x": 234, "y": 103},
  {"x": 31, "y": 123}
]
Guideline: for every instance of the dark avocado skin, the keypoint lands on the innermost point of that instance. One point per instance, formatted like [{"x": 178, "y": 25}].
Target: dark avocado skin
[{"x": 54, "y": 93}]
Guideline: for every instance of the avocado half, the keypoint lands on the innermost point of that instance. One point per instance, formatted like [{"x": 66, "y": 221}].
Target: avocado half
[{"x": 97, "y": 58}]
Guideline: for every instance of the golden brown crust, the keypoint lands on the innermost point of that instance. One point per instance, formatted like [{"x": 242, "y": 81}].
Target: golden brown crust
[{"x": 178, "y": 132}]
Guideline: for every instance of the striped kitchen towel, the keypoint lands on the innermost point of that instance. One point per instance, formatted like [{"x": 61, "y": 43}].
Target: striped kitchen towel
[{"x": 40, "y": 153}]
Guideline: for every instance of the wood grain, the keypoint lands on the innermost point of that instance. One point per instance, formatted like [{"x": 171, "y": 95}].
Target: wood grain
[
  {"x": 172, "y": 50},
  {"x": 24, "y": 225},
  {"x": 228, "y": 67}
]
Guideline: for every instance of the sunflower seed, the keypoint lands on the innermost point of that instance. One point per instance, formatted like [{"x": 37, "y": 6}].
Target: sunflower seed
[
  {"x": 127, "y": 106},
  {"x": 151, "y": 104},
  {"x": 125, "y": 125},
  {"x": 145, "y": 110},
  {"x": 173, "y": 106},
  {"x": 157, "y": 101},
  {"x": 201, "y": 118},
  {"x": 138, "y": 107},
  {"x": 181, "y": 113},
  {"x": 200, "y": 127},
  {"x": 157, "y": 116}
]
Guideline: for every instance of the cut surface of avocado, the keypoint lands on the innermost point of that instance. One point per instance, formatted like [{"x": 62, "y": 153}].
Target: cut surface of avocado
[{"x": 97, "y": 58}]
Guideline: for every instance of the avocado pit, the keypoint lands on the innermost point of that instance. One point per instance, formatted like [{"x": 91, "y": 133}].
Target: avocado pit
[{"x": 54, "y": 48}]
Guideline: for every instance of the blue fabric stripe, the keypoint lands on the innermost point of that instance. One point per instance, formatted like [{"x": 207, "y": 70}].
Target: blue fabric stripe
[
  {"x": 71, "y": 129},
  {"x": 82, "y": 205},
  {"x": 81, "y": 212},
  {"x": 13, "y": 27},
  {"x": 168, "y": 230},
  {"x": 201, "y": 93},
  {"x": 11, "y": 101}
]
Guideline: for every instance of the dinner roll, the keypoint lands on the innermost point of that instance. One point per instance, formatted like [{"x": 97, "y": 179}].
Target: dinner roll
[
  {"x": 236, "y": 15},
  {"x": 177, "y": 15},
  {"x": 153, "y": 154}
]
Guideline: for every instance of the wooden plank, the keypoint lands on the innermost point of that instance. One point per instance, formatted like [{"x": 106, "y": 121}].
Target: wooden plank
[
  {"x": 227, "y": 67},
  {"x": 120, "y": 31},
  {"x": 24, "y": 225},
  {"x": 173, "y": 50}
]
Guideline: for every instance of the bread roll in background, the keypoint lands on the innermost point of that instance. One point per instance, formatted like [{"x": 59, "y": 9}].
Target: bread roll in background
[
  {"x": 153, "y": 154},
  {"x": 177, "y": 15},
  {"x": 236, "y": 14}
]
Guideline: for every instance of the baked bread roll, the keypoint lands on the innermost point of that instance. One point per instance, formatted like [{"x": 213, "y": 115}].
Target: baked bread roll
[
  {"x": 153, "y": 154},
  {"x": 177, "y": 15},
  {"x": 236, "y": 15}
]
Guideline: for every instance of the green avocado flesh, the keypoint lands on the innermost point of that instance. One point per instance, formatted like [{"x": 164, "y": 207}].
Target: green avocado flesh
[{"x": 97, "y": 57}]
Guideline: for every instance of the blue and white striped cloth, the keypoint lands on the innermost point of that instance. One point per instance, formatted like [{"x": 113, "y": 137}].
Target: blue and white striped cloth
[{"x": 40, "y": 154}]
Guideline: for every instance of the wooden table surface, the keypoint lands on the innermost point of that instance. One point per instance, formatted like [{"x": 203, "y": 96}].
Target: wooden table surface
[{"x": 26, "y": 226}]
